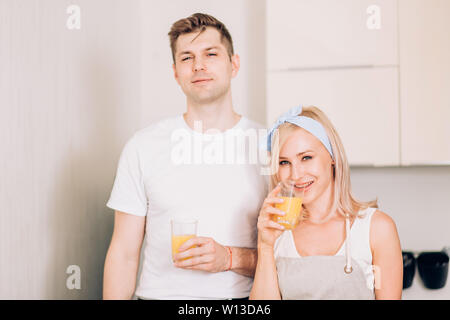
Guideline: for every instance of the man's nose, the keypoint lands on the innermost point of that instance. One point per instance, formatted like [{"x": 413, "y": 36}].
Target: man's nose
[{"x": 199, "y": 64}]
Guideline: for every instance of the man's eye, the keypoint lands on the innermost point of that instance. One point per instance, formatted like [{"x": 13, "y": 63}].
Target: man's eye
[
  {"x": 284, "y": 162},
  {"x": 212, "y": 54},
  {"x": 185, "y": 58}
]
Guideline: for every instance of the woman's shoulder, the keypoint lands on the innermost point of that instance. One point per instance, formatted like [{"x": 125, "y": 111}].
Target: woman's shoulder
[
  {"x": 381, "y": 221},
  {"x": 382, "y": 229}
]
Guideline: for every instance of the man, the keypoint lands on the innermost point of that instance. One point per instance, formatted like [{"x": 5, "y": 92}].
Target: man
[{"x": 161, "y": 177}]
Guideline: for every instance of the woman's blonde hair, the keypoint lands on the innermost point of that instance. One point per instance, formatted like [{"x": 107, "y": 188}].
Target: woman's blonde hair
[{"x": 343, "y": 201}]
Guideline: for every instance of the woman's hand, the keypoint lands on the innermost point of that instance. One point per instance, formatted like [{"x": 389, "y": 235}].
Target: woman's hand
[{"x": 269, "y": 230}]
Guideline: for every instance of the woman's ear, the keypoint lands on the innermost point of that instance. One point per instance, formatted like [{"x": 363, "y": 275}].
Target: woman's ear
[{"x": 333, "y": 167}]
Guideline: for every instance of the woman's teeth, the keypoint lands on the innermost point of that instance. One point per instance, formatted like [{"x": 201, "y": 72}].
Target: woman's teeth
[{"x": 307, "y": 184}]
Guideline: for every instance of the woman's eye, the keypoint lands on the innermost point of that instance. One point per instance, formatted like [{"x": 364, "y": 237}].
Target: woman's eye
[
  {"x": 212, "y": 54},
  {"x": 306, "y": 158},
  {"x": 284, "y": 162}
]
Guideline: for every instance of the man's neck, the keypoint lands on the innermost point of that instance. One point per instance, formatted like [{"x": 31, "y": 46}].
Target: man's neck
[{"x": 217, "y": 115}]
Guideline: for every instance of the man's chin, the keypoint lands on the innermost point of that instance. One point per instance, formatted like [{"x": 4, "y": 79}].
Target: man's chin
[{"x": 206, "y": 98}]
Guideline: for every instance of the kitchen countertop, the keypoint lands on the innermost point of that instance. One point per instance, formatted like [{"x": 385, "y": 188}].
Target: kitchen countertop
[{"x": 418, "y": 291}]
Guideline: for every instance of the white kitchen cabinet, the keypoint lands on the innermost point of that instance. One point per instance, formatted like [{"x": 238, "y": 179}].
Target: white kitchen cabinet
[
  {"x": 304, "y": 34},
  {"x": 424, "y": 49},
  {"x": 361, "y": 103}
]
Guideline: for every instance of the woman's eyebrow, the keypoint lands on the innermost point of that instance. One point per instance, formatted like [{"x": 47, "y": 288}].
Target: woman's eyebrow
[{"x": 298, "y": 154}]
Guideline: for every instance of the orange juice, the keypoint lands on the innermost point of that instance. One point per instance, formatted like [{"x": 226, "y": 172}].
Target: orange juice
[
  {"x": 178, "y": 240},
  {"x": 292, "y": 206}
]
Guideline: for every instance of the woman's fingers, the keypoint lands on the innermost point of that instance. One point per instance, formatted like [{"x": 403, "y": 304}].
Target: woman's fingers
[
  {"x": 268, "y": 229},
  {"x": 274, "y": 192},
  {"x": 273, "y": 200},
  {"x": 272, "y": 210},
  {"x": 269, "y": 224}
]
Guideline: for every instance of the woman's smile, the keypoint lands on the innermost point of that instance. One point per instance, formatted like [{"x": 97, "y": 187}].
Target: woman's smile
[{"x": 303, "y": 187}]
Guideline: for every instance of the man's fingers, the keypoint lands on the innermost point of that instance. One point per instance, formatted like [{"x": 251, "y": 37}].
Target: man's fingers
[
  {"x": 202, "y": 267},
  {"x": 194, "y": 261},
  {"x": 192, "y": 252},
  {"x": 196, "y": 241}
]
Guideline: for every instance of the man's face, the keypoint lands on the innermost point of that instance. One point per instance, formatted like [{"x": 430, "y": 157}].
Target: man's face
[{"x": 202, "y": 66}]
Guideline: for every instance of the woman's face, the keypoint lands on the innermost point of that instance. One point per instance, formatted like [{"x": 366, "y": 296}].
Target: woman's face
[{"x": 305, "y": 161}]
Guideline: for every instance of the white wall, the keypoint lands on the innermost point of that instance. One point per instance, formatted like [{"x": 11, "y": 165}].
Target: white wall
[
  {"x": 68, "y": 102},
  {"x": 415, "y": 197}
]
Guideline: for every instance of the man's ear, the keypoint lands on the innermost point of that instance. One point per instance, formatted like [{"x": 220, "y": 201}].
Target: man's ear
[
  {"x": 235, "y": 65},
  {"x": 175, "y": 74}
]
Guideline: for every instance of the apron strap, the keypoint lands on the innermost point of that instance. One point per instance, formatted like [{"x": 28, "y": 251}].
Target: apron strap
[{"x": 348, "y": 266}]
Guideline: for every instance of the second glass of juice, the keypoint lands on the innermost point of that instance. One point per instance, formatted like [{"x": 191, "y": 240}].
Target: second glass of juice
[
  {"x": 292, "y": 205},
  {"x": 182, "y": 230}
]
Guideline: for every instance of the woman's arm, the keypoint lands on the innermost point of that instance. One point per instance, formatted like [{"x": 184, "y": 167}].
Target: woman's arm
[
  {"x": 265, "y": 284},
  {"x": 386, "y": 257}
]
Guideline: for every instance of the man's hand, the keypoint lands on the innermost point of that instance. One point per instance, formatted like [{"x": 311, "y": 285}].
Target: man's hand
[{"x": 202, "y": 254}]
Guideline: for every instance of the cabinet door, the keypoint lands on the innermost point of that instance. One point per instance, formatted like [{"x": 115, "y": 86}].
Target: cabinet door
[
  {"x": 361, "y": 103},
  {"x": 323, "y": 33},
  {"x": 424, "y": 27}
]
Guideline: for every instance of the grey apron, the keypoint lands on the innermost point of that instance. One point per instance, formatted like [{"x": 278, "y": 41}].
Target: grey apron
[{"x": 323, "y": 277}]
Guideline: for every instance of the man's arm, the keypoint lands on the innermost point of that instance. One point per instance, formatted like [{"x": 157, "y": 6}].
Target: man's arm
[
  {"x": 208, "y": 255},
  {"x": 244, "y": 261},
  {"x": 122, "y": 259}
]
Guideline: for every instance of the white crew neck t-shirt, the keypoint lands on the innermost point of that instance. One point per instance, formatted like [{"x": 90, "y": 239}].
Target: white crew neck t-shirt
[{"x": 169, "y": 171}]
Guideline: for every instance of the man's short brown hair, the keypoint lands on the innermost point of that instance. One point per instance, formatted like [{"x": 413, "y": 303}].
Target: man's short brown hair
[{"x": 195, "y": 22}]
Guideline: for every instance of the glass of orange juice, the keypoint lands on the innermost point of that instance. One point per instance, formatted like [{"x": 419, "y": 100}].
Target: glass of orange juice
[
  {"x": 182, "y": 230},
  {"x": 292, "y": 205}
]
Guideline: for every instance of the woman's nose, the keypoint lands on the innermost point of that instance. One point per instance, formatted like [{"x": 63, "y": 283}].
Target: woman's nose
[{"x": 296, "y": 172}]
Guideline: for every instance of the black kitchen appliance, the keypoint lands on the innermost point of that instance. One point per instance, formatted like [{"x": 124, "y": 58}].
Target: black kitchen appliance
[
  {"x": 433, "y": 269},
  {"x": 409, "y": 268}
]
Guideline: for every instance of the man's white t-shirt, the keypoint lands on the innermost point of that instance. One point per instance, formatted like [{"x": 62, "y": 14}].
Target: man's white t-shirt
[{"x": 168, "y": 171}]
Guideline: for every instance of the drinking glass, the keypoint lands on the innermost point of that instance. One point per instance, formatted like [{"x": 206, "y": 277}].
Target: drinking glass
[
  {"x": 182, "y": 230},
  {"x": 292, "y": 205}
]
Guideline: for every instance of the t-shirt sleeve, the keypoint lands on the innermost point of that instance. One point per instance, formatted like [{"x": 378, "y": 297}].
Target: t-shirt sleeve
[{"x": 128, "y": 193}]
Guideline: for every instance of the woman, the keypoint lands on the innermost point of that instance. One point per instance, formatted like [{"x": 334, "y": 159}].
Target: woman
[{"x": 341, "y": 248}]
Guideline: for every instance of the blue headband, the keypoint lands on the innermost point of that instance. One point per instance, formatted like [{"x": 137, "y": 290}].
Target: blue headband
[{"x": 310, "y": 125}]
